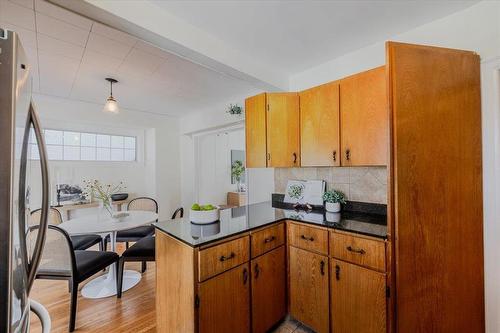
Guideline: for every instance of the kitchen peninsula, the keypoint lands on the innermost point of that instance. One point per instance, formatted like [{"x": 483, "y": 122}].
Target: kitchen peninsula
[{"x": 248, "y": 250}]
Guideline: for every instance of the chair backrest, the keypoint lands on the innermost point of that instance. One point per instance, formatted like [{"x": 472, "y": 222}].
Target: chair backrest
[
  {"x": 178, "y": 211},
  {"x": 143, "y": 203},
  {"x": 58, "y": 257},
  {"x": 55, "y": 217}
]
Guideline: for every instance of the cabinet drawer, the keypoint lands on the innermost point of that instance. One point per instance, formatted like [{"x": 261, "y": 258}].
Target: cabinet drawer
[
  {"x": 267, "y": 239},
  {"x": 308, "y": 238},
  {"x": 220, "y": 258},
  {"x": 362, "y": 251}
]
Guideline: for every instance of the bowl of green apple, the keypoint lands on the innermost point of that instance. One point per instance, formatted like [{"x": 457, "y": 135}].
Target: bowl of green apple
[{"x": 203, "y": 214}]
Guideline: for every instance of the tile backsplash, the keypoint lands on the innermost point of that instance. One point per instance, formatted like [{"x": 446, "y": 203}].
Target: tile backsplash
[{"x": 367, "y": 184}]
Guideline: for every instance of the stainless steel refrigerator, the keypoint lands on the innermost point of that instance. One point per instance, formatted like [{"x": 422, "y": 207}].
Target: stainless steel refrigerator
[{"x": 20, "y": 137}]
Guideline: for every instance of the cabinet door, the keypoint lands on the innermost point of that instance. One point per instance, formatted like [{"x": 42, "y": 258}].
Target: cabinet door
[
  {"x": 268, "y": 290},
  {"x": 364, "y": 118},
  {"x": 309, "y": 296},
  {"x": 319, "y": 126},
  {"x": 283, "y": 130},
  {"x": 358, "y": 299},
  {"x": 225, "y": 302},
  {"x": 255, "y": 131}
]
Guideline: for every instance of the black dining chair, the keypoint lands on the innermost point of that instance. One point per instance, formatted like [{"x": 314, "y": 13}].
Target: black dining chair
[
  {"x": 80, "y": 242},
  {"x": 143, "y": 250},
  {"x": 135, "y": 234},
  {"x": 61, "y": 262}
]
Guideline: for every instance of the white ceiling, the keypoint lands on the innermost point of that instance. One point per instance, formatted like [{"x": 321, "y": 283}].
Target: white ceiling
[
  {"x": 72, "y": 55},
  {"x": 296, "y": 35}
]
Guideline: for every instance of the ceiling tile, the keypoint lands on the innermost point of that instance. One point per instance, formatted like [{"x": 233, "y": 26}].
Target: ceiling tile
[
  {"x": 58, "y": 47},
  {"x": 107, "y": 46},
  {"x": 140, "y": 63},
  {"x": 28, "y": 37},
  {"x": 18, "y": 15},
  {"x": 59, "y": 13},
  {"x": 61, "y": 30},
  {"x": 113, "y": 34},
  {"x": 24, "y": 3},
  {"x": 150, "y": 48},
  {"x": 100, "y": 62},
  {"x": 56, "y": 74}
]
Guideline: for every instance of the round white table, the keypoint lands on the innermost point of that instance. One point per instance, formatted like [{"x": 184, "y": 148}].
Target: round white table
[{"x": 105, "y": 285}]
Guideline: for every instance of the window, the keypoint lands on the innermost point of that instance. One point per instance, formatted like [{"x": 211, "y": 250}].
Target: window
[{"x": 80, "y": 146}]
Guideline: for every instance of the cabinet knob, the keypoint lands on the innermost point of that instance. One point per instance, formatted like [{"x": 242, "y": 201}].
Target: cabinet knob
[
  {"x": 337, "y": 272},
  {"x": 224, "y": 258},
  {"x": 294, "y": 158},
  {"x": 256, "y": 271},
  {"x": 334, "y": 155},
  {"x": 322, "y": 267},
  {"x": 347, "y": 154},
  {"x": 245, "y": 276}
]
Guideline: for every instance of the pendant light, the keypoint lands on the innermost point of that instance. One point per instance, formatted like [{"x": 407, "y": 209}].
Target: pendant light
[{"x": 111, "y": 105}]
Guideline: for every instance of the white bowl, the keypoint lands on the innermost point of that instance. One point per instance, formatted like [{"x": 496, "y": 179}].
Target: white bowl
[{"x": 204, "y": 216}]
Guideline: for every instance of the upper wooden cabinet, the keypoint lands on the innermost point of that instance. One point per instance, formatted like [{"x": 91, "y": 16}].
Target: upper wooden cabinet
[
  {"x": 255, "y": 131},
  {"x": 283, "y": 130},
  {"x": 364, "y": 118},
  {"x": 319, "y": 126}
]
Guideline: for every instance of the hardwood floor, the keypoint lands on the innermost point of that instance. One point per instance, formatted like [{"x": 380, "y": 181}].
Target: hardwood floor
[{"x": 134, "y": 312}]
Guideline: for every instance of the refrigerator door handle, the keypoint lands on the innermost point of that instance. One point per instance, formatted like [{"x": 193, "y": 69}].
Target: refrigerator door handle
[
  {"x": 40, "y": 240},
  {"x": 42, "y": 314}
]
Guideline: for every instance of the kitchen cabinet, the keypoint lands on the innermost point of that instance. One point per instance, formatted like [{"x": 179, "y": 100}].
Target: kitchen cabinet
[
  {"x": 224, "y": 302},
  {"x": 358, "y": 299},
  {"x": 283, "y": 144},
  {"x": 364, "y": 119},
  {"x": 255, "y": 131},
  {"x": 268, "y": 289},
  {"x": 320, "y": 125},
  {"x": 309, "y": 296}
]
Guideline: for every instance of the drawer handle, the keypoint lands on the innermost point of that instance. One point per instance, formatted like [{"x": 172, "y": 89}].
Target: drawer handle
[
  {"x": 337, "y": 272},
  {"x": 269, "y": 239},
  {"x": 245, "y": 276},
  {"x": 224, "y": 258},
  {"x": 334, "y": 155},
  {"x": 294, "y": 158},
  {"x": 257, "y": 271},
  {"x": 351, "y": 249},
  {"x": 322, "y": 267},
  {"x": 307, "y": 238}
]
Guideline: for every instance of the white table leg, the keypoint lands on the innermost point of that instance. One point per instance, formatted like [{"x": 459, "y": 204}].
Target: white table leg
[{"x": 105, "y": 285}]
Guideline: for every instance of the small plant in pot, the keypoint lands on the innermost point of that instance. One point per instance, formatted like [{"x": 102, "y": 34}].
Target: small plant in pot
[{"x": 333, "y": 199}]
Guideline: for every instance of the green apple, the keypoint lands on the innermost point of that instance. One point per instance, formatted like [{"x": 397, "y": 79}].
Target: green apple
[{"x": 196, "y": 206}]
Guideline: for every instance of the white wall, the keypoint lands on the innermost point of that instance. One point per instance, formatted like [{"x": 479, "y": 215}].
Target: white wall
[
  {"x": 475, "y": 28},
  {"x": 156, "y": 173},
  {"x": 478, "y": 29}
]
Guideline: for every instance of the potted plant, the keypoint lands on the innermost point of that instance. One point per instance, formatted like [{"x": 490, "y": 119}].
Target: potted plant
[
  {"x": 333, "y": 200},
  {"x": 235, "y": 109},
  {"x": 237, "y": 170}
]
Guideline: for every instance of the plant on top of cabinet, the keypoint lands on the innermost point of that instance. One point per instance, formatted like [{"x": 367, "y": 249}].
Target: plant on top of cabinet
[
  {"x": 364, "y": 118},
  {"x": 320, "y": 125},
  {"x": 235, "y": 109}
]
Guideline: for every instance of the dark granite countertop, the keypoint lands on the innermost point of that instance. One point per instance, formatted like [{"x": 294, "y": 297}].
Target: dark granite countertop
[{"x": 242, "y": 219}]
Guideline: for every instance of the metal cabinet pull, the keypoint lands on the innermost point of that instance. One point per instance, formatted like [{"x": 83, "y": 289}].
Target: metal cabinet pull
[
  {"x": 337, "y": 272},
  {"x": 322, "y": 267},
  {"x": 294, "y": 158},
  {"x": 269, "y": 239},
  {"x": 307, "y": 238},
  {"x": 224, "y": 258},
  {"x": 257, "y": 271},
  {"x": 347, "y": 154},
  {"x": 334, "y": 155},
  {"x": 245, "y": 276},
  {"x": 351, "y": 249}
]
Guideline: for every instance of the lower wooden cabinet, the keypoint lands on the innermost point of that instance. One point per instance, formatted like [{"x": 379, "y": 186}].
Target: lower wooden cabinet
[
  {"x": 268, "y": 289},
  {"x": 224, "y": 302},
  {"x": 309, "y": 296},
  {"x": 358, "y": 299}
]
